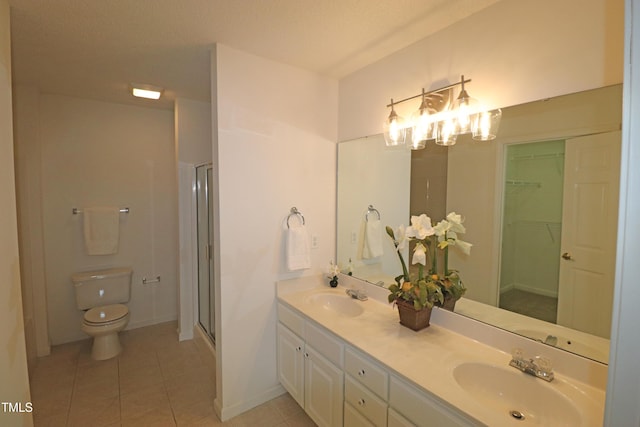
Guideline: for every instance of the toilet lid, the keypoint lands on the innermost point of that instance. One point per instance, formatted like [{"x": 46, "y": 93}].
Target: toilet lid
[{"x": 106, "y": 313}]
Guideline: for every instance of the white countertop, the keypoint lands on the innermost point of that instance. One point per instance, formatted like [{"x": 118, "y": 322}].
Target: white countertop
[{"x": 427, "y": 357}]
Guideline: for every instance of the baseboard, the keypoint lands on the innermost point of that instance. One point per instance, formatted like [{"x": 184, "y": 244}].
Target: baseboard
[
  {"x": 226, "y": 413},
  {"x": 149, "y": 322},
  {"x": 534, "y": 290}
]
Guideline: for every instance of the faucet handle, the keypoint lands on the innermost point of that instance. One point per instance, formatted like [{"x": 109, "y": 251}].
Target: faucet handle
[
  {"x": 544, "y": 363},
  {"x": 517, "y": 353}
]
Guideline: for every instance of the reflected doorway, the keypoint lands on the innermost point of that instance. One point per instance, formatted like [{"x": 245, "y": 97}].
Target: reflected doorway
[
  {"x": 532, "y": 229},
  {"x": 204, "y": 213}
]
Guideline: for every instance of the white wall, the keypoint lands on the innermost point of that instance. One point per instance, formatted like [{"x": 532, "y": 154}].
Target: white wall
[
  {"x": 192, "y": 122},
  {"x": 623, "y": 390},
  {"x": 275, "y": 148},
  {"x": 193, "y": 131},
  {"x": 104, "y": 154},
  {"x": 513, "y": 51},
  {"x": 14, "y": 383}
]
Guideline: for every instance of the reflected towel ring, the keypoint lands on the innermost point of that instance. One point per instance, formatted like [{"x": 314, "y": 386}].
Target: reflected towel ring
[
  {"x": 295, "y": 212},
  {"x": 371, "y": 210}
]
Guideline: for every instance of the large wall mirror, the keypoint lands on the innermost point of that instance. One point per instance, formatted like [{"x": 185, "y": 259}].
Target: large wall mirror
[{"x": 540, "y": 207}]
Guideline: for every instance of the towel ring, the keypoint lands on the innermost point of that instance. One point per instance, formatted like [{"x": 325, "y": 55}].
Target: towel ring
[
  {"x": 371, "y": 210},
  {"x": 295, "y": 212}
]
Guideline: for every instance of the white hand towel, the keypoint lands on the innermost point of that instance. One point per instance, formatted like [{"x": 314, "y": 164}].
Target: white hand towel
[
  {"x": 298, "y": 248},
  {"x": 372, "y": 239},
  {"x": 101, "y": 230}
]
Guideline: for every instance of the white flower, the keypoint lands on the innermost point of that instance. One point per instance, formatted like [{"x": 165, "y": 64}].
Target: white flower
[
  {"x": 455, "y": 220},
  {"x": 420, "y": 227},
  {"x": 419, "y": 255},
  {"x": 465, "y": 247},
  {"x": 441, "y": 228},
  {"x": 401, "y": 238}
]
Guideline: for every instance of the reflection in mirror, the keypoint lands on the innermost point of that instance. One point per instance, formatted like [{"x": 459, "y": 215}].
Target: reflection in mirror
[{"x": 543, "y": 254}]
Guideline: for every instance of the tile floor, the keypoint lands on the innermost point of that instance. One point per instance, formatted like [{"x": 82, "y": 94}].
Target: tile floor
[{"x": 156, "y": 381}]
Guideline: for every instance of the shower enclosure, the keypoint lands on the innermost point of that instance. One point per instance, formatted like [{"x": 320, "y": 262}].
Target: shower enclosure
[{"x": 204, "y": 213}]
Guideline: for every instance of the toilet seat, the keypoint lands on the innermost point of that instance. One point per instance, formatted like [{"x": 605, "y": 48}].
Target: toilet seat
[{"x": 106, "y": 314}]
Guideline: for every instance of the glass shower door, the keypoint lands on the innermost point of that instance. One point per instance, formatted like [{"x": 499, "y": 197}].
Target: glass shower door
[{"x": 204, "y": 211}]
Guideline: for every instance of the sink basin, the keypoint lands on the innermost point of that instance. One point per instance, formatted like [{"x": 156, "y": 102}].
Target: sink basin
[
  {"x": 340, "y": 304},
  {"x": 516, "y": 396}
]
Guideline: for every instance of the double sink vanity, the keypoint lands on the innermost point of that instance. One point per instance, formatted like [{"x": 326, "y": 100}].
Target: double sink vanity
[{"x": 348, "y": 362}]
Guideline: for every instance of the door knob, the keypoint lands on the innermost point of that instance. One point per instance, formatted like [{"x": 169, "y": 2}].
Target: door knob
[{"x": 567, "y": 256}]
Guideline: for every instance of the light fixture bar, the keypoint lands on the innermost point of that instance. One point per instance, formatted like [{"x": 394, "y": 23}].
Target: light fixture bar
[{"x": 430, "y": 92}]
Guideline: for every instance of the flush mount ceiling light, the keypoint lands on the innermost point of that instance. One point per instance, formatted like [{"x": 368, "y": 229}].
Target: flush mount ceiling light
[
  {"x": 146, "y": 91},
  {"x": 442, "y": 118}
]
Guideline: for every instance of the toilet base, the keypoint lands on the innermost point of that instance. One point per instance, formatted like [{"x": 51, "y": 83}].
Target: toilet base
[{"x": 106, "y": 346}]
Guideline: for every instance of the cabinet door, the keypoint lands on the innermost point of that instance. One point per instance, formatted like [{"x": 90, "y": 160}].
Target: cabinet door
[
  {"x": 397, "y": 420},
  {"x": 352, "y": 418},
  {"x": 324, "y": 391},
  {"x": 291, "y": 363}
]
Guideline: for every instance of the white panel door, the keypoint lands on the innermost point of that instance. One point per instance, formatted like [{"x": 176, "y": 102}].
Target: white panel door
[
  {"x": 323, "y": 390},
  {"x": 589, "y": 227},
  {"x": 291, "y": 363}
]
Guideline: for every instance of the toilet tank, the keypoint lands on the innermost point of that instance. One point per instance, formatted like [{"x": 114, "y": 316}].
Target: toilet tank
[{"x": 102, "y": 287}]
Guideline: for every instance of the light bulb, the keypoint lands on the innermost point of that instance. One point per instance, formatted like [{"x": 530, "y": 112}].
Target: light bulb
[
  {"x": 485, "y": 125},
  {"x": 394, "y": 129}
]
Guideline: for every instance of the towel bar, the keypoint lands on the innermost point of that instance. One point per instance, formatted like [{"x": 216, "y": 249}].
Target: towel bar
[
  {"x": 295, "y": 212},
  {"x": 77, "y": 211}
]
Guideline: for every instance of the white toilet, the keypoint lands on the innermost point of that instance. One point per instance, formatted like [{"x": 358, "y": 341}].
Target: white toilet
[{"x": 102, "y": 294}]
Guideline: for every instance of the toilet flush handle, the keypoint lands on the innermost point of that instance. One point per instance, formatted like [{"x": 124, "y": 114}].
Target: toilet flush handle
[{"x": 101, "y": 293}]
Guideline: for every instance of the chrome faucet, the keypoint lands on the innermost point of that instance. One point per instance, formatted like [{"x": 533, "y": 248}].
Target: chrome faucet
[
  {"x": 357, "y": 294},
  {"x": 538, "y": 366}
]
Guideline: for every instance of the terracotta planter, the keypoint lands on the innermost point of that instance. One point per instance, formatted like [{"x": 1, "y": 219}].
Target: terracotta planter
[{"x": 412, "y": 318}]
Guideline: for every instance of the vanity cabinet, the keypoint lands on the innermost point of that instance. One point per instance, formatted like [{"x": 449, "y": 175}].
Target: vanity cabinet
[
  {"x": 310, "y": 368},
  {"x": 338, "y": 385}
]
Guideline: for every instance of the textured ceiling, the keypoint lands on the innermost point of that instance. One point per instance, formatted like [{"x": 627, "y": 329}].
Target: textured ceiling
[{"x": 95, "y": 48}]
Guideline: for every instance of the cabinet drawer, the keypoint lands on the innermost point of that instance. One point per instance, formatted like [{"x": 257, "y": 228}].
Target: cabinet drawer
[
  {"x": 325, "y": 343},
  {"x": 368, "y": 372},
  {"x": 422, "y": 409},
  {"x": 353, "y": 418},
  {"x": 365, "y": 402},
  {"x": 291, "y": 320}
]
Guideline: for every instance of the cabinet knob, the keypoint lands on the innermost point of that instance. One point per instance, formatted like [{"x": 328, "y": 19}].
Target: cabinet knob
[
  {"x": 298, "y": 348},
  {"x": 361, "y": 402},
  {"x": 306, "y": 355},
  {"x": 361, "y": 372},
  {"x": 567, "y": 256}
]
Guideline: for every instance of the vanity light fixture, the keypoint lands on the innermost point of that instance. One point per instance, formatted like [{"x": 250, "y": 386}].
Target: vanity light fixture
[
  {"x": 394, "y": 128},
  {"x": 146, "y": 91},
  {"x": 442, "y": 118}
]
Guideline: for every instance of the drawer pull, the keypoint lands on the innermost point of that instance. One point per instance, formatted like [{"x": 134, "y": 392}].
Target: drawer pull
[
  {"x": 361, "y": 372},
  {"x": 361, "y": 402}
]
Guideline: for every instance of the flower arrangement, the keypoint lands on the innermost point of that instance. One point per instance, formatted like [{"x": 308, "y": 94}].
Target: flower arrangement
[{"x": 431, "y": 288}]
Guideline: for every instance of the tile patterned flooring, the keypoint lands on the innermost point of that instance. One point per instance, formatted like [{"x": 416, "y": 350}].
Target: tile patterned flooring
[{"x": 156, "y": 381}]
